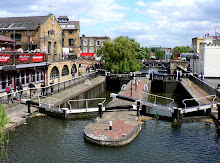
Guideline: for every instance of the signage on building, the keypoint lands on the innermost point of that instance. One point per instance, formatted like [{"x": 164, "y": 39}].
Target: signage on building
[
  {"x": 38, "y": 57},
  {"x": 9, "y": 68},
  {"x": 4, "y": 58},
  {"x": 24, "y": 57}
]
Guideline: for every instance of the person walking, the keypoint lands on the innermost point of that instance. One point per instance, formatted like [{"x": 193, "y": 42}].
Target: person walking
[
  {"x": 51, "y": 86},
  {"x": 9, "y": 92},
  {"x": 31, "y": 86},
  {"x": 20, "y": 89}
]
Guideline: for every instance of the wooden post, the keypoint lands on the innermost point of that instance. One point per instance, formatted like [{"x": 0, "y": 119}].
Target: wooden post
[
  {"x": 176, "y": 114},
  {"x": 110, "y": 125},
  {"x": 208, "y": 111},
  {"x": 100, "y": 110}
]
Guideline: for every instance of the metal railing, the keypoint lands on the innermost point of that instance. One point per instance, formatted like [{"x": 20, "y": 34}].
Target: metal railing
[
  {"x": 163, "y": 97},
  {"x": 86, "y": 100},
  {"x": 57, "y": 87},
  {"x": 199, "y": 98},
  {"x": 206, "y": 87},
  {"x": 48, "y": 102}
]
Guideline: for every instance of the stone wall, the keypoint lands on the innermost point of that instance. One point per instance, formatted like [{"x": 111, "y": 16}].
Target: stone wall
[{"x": 174, "y": 64}]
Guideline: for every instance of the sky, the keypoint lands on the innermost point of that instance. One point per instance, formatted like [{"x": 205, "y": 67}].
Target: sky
[{"x": 165, "y": 23}]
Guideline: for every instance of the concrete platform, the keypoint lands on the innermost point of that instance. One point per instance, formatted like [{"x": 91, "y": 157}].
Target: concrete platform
[{"x": 125, "y": 123}]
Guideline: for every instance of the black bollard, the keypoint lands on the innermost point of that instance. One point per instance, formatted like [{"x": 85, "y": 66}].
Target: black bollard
[
  {"x": 29, "y": 106},
  {"x": 100, "y": 110},
  {"x": 110, "y": 125},
  {"x": 138, "y": 106}
]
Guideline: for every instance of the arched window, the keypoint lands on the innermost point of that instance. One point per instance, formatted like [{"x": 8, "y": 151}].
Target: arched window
[
  {"x": 73, "y": 70},
  {"x": 65, "y": 71},
  {"x": 54, "y": 73}
]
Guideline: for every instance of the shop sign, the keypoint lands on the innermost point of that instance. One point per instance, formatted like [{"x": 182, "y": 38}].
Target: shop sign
[
  {"x": 38, "y": 57},
  {"x": 4, "y": 58},
  {"x": 24, "y": 57}
]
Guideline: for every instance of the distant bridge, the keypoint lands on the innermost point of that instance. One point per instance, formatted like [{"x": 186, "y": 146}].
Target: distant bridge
[{"x": 156, "y": 63}]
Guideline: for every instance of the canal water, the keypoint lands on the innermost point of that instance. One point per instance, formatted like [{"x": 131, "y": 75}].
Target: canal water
[{"x": 47, "y": 139}]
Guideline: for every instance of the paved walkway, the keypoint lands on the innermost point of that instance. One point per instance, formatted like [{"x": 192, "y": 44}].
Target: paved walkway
[
  {"x": 18, "y": 113},
  {"x": 196, "y": 92},
  {"x": 126, "y": 125}
]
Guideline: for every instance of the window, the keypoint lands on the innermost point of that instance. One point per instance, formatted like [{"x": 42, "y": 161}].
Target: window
[
  {"x": 27, "y": 77},
  {"x": 23, "y": 77},
  {"x": 65, "y": 71},
  {"x": 49, "y": 47},
  {"x": 62, "y": 42},
  {"x": 54, "y": 73},
  {"x": 54, "y": 47},
  {"x": 71, "y": 41},
  {"x": 85, "y": 50},
  {"x": 3, "y": 81},
  {"x": 17, "y": 78},
  {"x": 91, "y": 49},
  {"x": 71, "y": 31},
  {"x": 33, "y": 76},
  {"x": 98, "y": 42},
  {"x": 91, "y": 42},
  {"x": 85, "y": 42},
  {"x": 17, "y": 36}
]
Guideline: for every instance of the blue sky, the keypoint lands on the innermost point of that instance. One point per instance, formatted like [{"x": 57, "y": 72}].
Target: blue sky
[{"x": 166, "y": 23}]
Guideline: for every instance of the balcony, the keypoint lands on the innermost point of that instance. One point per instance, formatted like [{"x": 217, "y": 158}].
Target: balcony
[{"x": 15, "y": 58}]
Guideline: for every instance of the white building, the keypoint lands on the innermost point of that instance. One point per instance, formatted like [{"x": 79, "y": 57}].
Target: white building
[{"x": 209, "y": 61}]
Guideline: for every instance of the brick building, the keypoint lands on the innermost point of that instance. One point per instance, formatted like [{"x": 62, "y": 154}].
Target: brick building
[
  {"x": 90, "y": 45},
  {"x": 71, "y": 39},
  {"x": 34, "y": 32}
]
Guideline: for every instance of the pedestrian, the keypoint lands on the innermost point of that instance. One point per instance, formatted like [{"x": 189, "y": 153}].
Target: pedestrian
[
  {"x": 9, "y": 92},
  {"x": 51, "y": 86},
  {"x": 20, "y": 89},
  {"x": 43, "y": 89},
  {"x": 31, "y": 86}
]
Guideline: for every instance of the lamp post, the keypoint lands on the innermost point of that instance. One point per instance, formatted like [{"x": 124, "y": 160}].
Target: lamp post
[
  {"x": 194, "y": 58},
  {"x": 131, "y": 82}
]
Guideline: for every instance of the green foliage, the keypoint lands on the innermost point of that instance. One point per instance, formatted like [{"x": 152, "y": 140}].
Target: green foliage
[
  {"x": 181, "y": 49},
  {"x": 120, "y": 55},
  {"x": 160, "y": 54},
  {"x": 4, "y": 136}
]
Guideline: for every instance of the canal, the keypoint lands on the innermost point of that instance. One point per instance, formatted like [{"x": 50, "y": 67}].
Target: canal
[{"x": 47, "y": 139}]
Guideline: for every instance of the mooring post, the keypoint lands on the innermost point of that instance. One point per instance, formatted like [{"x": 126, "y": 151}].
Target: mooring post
[
  {"x": 29, "y": 106},
  {"x": 64, "y": 112},
  {"x": 100, "y": 109},
  {"x": 110, "y": 125},
  {"x": 138, "y": 106}
]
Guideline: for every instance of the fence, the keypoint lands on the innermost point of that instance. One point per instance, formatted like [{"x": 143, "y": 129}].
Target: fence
[
  {"x": 206, "y": 87},
  {"x": 36, "y": 92}
]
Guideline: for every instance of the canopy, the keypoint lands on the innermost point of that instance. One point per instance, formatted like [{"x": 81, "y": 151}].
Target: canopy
[{"x": 86, "y": 54}]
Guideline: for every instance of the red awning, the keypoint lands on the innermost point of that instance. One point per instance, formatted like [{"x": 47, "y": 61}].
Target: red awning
[{"x": 86, "y": 54}]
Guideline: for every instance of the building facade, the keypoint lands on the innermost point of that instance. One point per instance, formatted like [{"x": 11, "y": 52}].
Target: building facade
[
  {"x": 90, "y": 45},
  {"x": 208, "y": 62},
  {"x": 41, "y": 33},
  {"x": 70, "y": 37}
]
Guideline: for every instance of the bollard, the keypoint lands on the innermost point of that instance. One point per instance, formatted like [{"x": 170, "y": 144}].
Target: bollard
[
  {"x": 110, "y": 125},
  {"x": 29, "y": 106},
  {"x": 143, "y": 110},
  {"x": 100, "y": 110},
  {"x": 138, "y": 106}
]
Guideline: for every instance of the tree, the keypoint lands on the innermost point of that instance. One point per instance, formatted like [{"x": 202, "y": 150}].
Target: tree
[
  {"x": 120, "y": 54},
  {"x": 160, "y": 54},
  {"x": 181, "y": 49}
]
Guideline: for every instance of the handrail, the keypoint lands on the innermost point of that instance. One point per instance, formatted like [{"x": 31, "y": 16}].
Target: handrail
[
  {"x": 199, "y": 99},
  {"x": 49, "y": 101},
  {"x": 104, "y": 99},
  {"x": 167, "y": 98}
]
